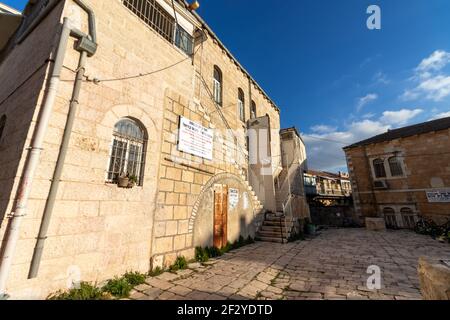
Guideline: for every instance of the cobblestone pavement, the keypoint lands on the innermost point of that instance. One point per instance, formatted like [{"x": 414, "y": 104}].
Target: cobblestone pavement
[{"x": 333, "y": 265}]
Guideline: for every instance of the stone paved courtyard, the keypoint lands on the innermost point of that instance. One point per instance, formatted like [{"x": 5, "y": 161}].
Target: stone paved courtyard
[{"x": 333, "y": 265}]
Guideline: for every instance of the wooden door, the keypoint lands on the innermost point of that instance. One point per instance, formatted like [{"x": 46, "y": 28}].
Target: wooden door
[{"x": 220, "y": 215}]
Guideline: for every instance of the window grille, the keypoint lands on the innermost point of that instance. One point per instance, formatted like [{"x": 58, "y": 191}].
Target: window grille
[
  {"x": 389, "y": 217},
  {"x": 378, "y": 166},
  {"x": 408, "y": 218},
  {"x": 150, "y": 12},
  {"x": 127, "y": 151},
  {"x": 395, "y": 167}
]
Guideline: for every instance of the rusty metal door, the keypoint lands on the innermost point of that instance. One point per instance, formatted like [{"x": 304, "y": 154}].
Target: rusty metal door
[{"x": 220, "y": 215}]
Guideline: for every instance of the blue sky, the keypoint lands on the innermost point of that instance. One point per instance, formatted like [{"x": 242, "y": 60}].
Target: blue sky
[{"x": 332, "y": 77}]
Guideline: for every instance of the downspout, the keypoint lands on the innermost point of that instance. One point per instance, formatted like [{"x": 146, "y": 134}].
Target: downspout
[
  {"x": 50, "y": 203},
  {"x": 24, "y": 188}
]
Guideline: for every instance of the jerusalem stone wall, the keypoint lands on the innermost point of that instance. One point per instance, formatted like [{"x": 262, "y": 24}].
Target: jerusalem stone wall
[{"x": 426, "y": 164}]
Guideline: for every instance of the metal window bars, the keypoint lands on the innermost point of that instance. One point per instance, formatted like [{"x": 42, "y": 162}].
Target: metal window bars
[{"x": 152, "y": 14}]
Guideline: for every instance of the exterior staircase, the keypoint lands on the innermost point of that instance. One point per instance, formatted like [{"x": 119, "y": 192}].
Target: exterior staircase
[{"x": 275, "y": 228}]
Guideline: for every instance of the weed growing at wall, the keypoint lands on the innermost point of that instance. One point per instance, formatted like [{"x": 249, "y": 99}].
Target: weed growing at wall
[
  {"x": 86, "y": 291},
  {"x": 204, "y": 254}
]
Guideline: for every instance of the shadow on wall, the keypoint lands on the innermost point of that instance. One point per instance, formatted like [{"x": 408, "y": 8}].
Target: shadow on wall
[
  {"x": 19, "y": 109},
  {"x": 241, "y": 218}
]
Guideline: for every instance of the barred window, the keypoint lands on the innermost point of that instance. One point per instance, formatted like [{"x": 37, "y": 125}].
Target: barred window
[
  {"x": 127, "y": 151},
  {"x": 378, "y": 166},
  {"x": 241, "y": 104},
  {"x": 395, "y": 167},
  {"x": 408, "y": 218},
  {"x": 253, "y": 110},
  {"x": 217, "y": 85},
  {"x": 154, "y": 15},
  {"x": 389, "y": 217}
]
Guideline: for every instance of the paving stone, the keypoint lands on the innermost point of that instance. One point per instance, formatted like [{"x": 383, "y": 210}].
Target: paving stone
[
  {"x": 180, "y": 290},
  {"x": 158, "y": 283}
]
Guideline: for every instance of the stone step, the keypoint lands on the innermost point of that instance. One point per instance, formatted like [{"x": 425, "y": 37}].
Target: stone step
[
  {"x": 278, "y": 223},
  {"x": 275, "y": 229},
  {"x": 271, "y": 239},
  {"x": 274, "y": 234}
]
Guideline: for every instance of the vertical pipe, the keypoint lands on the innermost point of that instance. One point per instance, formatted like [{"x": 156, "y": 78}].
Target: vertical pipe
[
  {"x": 46, "y": 218},
  {"x": 24, "y": 188}
]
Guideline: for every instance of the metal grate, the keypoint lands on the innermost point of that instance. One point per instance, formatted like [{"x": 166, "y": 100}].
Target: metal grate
[
  {"x": 150, "y": 12},
  {"x": 127, "y": 152}
]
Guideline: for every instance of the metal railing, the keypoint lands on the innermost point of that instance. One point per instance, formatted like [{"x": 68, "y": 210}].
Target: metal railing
[{"x": 152, "y": 14}]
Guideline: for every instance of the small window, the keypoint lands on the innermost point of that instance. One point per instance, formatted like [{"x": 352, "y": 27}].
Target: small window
[
  {"x": 2, "y": 126},
  {"x": 217, "y": 86},
  {"x": 389, "y": 217},
  {"x": 127, "y": 151},
  {"x": 378, "y": 166},
  {"x": 253, "y": 110},
  {"x": 395, "y": 167},
  {"x": 241, "y": 105}
]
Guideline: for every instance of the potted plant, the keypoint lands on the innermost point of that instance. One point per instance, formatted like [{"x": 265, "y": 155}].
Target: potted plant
[
  {"x": 123, "y": 180},
  {"x": 132, "y": 181}
]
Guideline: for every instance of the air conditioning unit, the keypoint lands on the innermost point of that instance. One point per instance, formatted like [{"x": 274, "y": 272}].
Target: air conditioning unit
[{"x": 380, "y": 185}]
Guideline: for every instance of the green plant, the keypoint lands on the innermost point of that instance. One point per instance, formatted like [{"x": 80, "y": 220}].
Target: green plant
[
  {"x": 213, "y": 252},
  {"x": 135, "y": 278},
  {"x": 156, "y": 272},
  {"x": 118, "y": 287},
  {"x": 179, "y": 264},
  {"x": 86, "y": 291},
  {"x": 133, "y": 179},
  {"x": 201, "y": 255}
]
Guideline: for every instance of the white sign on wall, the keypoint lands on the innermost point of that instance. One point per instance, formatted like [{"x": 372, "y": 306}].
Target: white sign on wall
[
  {"x": 233, "y": 198},
  {"x": 195, "y": 139},
  {"x": 439, "y": 196}
]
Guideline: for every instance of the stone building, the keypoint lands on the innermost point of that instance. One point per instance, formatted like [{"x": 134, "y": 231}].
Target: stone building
[
  {"x": 125, "y": 133},
  {"x": 403, "y": 174}
]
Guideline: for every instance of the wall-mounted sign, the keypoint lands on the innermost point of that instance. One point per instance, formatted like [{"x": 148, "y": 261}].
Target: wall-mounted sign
[
  {"x": 195, "y": 139},
  {"x": 439, "y": 196},
  {"x": 233, "y": 198}
]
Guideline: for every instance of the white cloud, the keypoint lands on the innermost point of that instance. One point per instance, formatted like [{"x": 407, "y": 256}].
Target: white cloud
[
  {"x": 436, "y": 88},
  {"x": 400, "y": 117},
  {"x": 321, "y": 128},
  {"x": 381, "y": 78},
  {"x": 441, "y": 115},
  {"x": 325, "y": 149},
  {"x": 433, "y": 84},
  {"x": 363, "y": 101},
  {"x": 437, "y": 61}
]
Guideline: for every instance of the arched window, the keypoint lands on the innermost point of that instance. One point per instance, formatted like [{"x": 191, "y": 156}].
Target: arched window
[
  {"x": 408, "y": 218},
  {"x": 253, "y": 110},
  {"x": 395, "y": 167},
  {"x": 241, "y": 104},
  {"x": 127, "y": 151},
  {"x": 389, "y": 217},
  {"x": 2, "y": 126},
  {"x": 218, "y": 81},
  {"x": 378, "y": 167}
]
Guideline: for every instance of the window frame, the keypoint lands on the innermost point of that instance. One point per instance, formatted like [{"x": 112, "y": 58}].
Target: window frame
[
  {"x": 241, "y": 105},
  {"x": 379, "y": 163},
  {"x": 253, "y": 108},
  {"x": 130, "y": 142},
  {"x": 218, "y": 85},
  {"x": 395, "y": 168}
]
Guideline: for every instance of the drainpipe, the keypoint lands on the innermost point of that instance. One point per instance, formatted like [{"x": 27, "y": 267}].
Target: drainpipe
[
  {"x": 87, "y": 50},
  {"x": 24, "y": 188}
]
